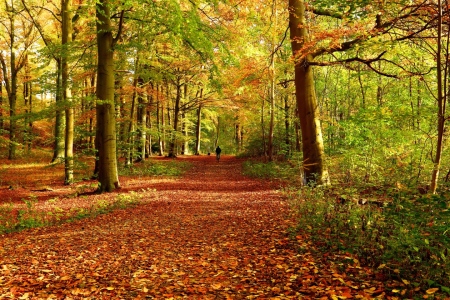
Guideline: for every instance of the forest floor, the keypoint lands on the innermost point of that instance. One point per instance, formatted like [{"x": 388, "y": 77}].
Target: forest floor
[{"x": 210, "y": 234}]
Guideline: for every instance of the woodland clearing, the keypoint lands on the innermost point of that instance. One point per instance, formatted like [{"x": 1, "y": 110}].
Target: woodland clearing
[{"x": 210, "y": 234}]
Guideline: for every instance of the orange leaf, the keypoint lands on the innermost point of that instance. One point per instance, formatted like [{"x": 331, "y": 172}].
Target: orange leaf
[{"x": 432, "y": 291}]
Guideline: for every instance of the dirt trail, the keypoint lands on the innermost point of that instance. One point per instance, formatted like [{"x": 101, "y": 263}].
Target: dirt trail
[{"x": 213, "y": 234}]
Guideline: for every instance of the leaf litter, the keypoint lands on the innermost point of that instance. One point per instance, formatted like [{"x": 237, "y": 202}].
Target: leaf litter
[{"x": 211, "y": 234}]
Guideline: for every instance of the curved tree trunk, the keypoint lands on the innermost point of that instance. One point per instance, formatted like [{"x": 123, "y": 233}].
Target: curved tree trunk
[{"x": 308, "y": 110}]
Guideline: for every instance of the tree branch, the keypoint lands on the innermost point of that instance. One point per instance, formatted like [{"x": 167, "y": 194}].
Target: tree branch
[
  {"x": 368, "y": 63},
  {"x": 379, "y": 29},
  {"x": 119, "y": 32}
]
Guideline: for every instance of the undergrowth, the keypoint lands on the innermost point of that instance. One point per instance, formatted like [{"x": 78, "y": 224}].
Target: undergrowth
[
  {"x": 13, "y": 220},
  {"x": 402, "y": 235},
  {"x": 156, "y": 168}
]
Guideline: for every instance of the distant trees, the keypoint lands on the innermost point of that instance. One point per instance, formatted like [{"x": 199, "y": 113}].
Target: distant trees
[
  {"x": 18, "y": 37},
  {"x": 172, "y": 77}
]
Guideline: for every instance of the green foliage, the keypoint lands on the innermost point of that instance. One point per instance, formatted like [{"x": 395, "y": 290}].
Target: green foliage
[
  {"x": 12, "y": 220},
  {"x": 269, "y": 170},
  {"x": 7, "y": 218},
  {"x": 408, "y": 237},
  {"x": 29, "y": 217}
]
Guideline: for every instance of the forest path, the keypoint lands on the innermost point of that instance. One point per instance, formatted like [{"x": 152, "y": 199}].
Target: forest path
[{"x": 212, "y": 234}]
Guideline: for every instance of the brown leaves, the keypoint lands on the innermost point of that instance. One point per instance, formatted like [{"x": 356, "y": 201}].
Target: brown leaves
[{"x": 211, "y": 234}]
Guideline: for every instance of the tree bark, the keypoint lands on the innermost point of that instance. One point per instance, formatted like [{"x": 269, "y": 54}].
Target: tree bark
[
  {"x": 66, "y": 8},
  {"x": 106, "y": 116},
  {"x": 1, "y": 101},
  {"x": 58, "y": 147},
  {"x": 27, "y": 96},
  {"x": 173, "y": 137},
  {"x": 141, "y": 122},
  {"x": 312, "y": 142},
  {"x": 441, "y": 101},
  {"x": 198, "y": 127},
  {"x": 160, "y": 120},
  {"x": 270, "y": 148}
]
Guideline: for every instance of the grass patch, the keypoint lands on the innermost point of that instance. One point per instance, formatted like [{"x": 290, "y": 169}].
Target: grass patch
[
  {"x": 13, "y": 220},
  {"x": 271, "y": 170}
]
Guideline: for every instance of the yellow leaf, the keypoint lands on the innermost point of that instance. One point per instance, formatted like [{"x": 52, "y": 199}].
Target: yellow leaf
[
  {"x": 432, "y": 291},
  {"x": 65, "y": 278},
  {"x": 276, "y": 289},
  {"x": 25, "y": 296},
  {"x": 405, "y": 281},
  {"x": 381, "y": 266},
  {"x": 395, "y": 291},
  {"x": 110, "y": 288},
  {"x": 145, "y": 290}
]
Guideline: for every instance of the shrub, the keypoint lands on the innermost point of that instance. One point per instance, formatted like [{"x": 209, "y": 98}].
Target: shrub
[{"x": 409, "y": 237}]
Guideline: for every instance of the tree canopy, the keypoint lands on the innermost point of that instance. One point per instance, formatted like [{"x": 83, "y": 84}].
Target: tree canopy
[{"x": 353, "y": 90}]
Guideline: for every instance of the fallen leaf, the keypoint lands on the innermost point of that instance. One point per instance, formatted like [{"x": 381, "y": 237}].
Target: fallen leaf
[{"x": 432, "y": 291}]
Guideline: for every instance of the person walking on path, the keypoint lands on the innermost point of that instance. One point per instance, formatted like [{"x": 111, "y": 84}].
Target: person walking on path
[{"x": 218, "y": 151}]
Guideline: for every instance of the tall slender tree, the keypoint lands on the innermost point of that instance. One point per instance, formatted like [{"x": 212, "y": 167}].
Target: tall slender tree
[{"x": 66, "y": 11}]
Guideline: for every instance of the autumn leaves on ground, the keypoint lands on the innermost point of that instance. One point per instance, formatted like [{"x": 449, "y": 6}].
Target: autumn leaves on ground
[{"x": 210, "y": 234}]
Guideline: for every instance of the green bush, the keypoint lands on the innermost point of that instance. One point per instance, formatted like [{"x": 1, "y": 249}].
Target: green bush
[
  {"x": 409, "y": 236},
  {"x": 270, "y": 170}
]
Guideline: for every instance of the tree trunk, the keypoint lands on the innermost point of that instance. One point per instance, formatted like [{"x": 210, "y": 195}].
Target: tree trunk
[
  {"x": 58, "y": 147},
  {"x": 160, "y": 120},
  {"x": 287, "y": 124},
  {"x": 185, "y": 146},
  {"x": 270, "y": 149},
  {"x": 216, "y": 142},
  {"x": 141, "y": 122},
  {"x": 441, "y": 101},
  {"x": 1, "y": 101},
  {"x": 12, "y": 95},
  {"x": 91, "y": 84},
  {"x": 198, "y": 127},
  {"x": 27, "y": 96},
  {"x": 173, "y": 137},
  {"x": 106, "y": 116},
  {"x": 130, "y": 132},
  {"x": 308, "y": 110},
  {"x": 66, "y": 7}
]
